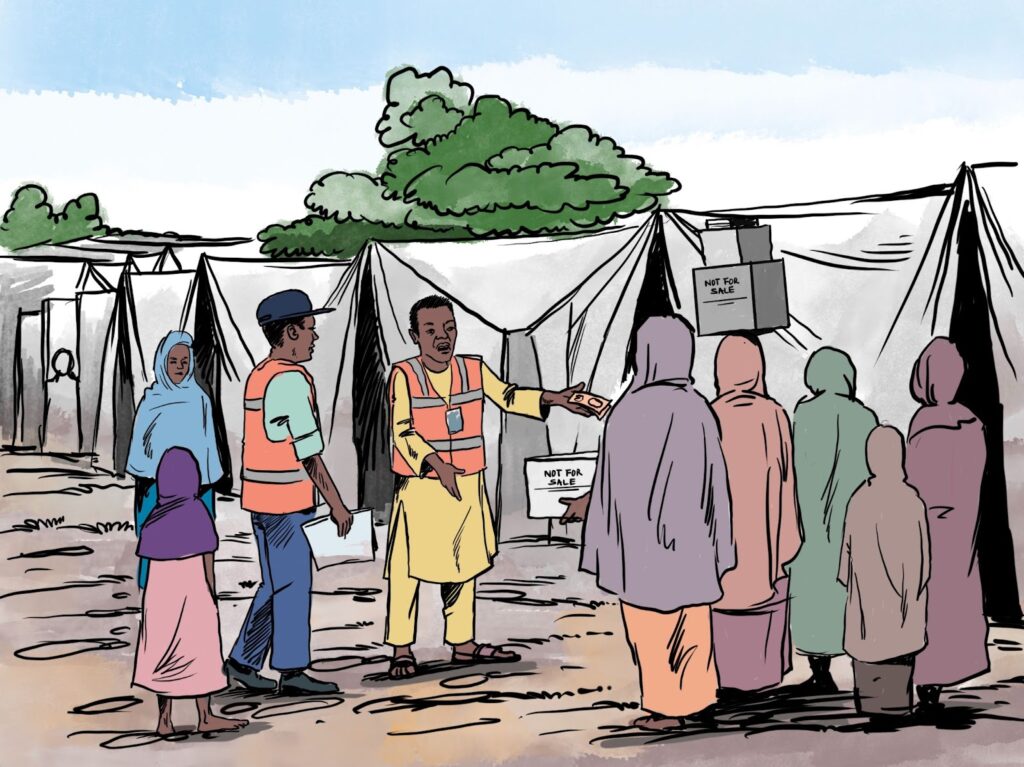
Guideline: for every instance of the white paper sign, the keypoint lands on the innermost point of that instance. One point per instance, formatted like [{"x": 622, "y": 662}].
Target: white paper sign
[
  {"x": 329, "y": 549},
  {"x": 550, "y": 477}
]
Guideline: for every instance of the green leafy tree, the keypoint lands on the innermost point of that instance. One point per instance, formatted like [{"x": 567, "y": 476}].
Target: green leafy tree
[
  {"x": 460, "y": 166},
  {"x": 31, "y": 220},
  {"x": 80, "y": 218},
  {"x": 320, "y": 236}
]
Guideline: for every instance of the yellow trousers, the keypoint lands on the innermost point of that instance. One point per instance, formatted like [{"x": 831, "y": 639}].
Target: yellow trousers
[{"x": 403, "y": 605}]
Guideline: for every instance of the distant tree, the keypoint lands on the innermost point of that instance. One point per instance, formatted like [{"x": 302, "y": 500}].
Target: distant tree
[
  {"x": 31, "y": 220},
  {"x": 80, "y": 218},
  {"x": 460, "y": 166},
  {"x": 320, "y": 236}
]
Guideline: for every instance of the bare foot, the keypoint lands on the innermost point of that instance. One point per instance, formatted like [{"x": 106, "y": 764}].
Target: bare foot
[
  {"x": 658, "y": 723},
  {"x": 220, "y": 724},
  {"x": 164, "y": 728}
]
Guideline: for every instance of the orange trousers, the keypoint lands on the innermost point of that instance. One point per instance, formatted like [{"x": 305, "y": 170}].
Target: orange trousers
[{"x": 675, "y": 655}]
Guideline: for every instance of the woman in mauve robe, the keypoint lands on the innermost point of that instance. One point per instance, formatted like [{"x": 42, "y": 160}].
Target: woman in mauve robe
[
  {"x": 830, "y": 434},
  {"x": 751, "y": 620},
  {"x": 945, "y": 462},
  {"x": 657, "y": 532}
]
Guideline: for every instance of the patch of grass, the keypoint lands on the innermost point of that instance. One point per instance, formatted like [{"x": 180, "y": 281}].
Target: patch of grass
[
  {"x": 34, "y": 525},
  {"x": 102, "y": 528}
]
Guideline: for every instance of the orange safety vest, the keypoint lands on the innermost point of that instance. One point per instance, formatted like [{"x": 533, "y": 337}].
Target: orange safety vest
[
  {"x": 274, "y": 481},
  {"x": 464, "y": 448}
]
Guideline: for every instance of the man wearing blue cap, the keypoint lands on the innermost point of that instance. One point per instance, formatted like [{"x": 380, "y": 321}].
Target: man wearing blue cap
[{"x": 282, "y": 470}]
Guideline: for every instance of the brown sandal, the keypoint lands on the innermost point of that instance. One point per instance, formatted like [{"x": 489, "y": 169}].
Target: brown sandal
[
  {"x": 479, "y": 656},
  {"x": 402, "y": 661}
]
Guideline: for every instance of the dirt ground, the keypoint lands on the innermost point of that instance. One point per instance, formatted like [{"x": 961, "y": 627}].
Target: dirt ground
[{"x": 69, "y": 619}]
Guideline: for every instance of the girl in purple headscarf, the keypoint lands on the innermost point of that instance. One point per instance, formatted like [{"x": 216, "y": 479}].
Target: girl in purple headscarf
[
  {"x": 658, "y": 530},
  {"x": 179, "y": 651},
  {"x": 945, "y": 462}
]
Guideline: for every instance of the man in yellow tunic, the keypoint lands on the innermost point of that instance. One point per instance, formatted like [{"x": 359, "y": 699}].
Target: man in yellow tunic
[{"x": 442, "y": 530}]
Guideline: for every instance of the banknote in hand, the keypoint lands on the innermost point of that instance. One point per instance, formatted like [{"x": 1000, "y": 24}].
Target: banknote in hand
[{"x": 597, "y": 405}]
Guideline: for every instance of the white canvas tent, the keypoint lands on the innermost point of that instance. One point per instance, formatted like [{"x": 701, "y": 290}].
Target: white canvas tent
[
  {"x": 28, "y": 377},
  {"x": 878, "y": 277},
  {"x": 540, "y": 311},
  {"x": 147, "y": 307},
  {"x": 229, "y": 341},
  {"x": 60, "y": 391},
  {"x": 95, "y": 312},
  {"x": 24, "y": 283}
]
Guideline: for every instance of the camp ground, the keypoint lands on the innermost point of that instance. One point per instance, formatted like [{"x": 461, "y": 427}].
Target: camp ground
[{"x": 876, "y": 276}]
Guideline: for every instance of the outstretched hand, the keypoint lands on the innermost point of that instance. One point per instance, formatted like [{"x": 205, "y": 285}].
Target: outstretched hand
[
  {"x": 562, "y": 399},
  {"x": 575, "y": 509}
]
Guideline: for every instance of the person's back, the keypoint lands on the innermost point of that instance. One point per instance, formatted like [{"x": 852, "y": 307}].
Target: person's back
[
  {"x": 885, "y": 564},
  {"x": 657, "y": 527},
  {"x": 751, "y": 631},
  {"x": 946, "y": 457},
  {"x": 830, "y": 432}
]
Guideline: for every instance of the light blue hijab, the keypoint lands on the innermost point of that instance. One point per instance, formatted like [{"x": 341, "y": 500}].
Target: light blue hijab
[{"x": 174, "y": 415}]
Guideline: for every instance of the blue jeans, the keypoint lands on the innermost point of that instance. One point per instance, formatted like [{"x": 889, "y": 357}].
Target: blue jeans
[{"x": 278, "y": 618}]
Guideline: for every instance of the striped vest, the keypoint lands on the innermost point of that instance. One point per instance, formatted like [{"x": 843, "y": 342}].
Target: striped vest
[
  {"x": 274, "y": 481},
  {"x": 463, "y": 448}
]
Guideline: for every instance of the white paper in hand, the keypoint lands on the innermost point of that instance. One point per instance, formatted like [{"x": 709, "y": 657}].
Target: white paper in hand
[{"x": 329, "y": 548}]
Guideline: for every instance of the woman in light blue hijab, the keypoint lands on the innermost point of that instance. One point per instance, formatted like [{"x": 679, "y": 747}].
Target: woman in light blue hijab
[{"x": 174, "y": 412}]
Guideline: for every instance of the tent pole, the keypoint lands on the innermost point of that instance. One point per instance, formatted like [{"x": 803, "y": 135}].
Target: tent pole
[{"x": 499, "y": 505}]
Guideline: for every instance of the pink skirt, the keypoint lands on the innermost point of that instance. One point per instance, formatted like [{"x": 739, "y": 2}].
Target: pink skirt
[
  {"x": 179, "y": 652},
  {"x": 752, "y": 648}
]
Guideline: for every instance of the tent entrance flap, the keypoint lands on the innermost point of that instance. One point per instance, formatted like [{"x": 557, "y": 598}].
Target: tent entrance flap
[
  {"x": 209, "y": 362},
  {"x": 970, "y": 330},
  {"x": 371, "y": 407}
]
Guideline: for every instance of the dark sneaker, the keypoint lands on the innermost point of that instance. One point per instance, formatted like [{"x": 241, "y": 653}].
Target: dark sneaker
[
  {"x": 300, "y": 683},
  {"x": 243, "y": 676}
]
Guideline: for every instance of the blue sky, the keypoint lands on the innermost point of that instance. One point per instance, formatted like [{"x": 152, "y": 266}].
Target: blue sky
[{"x": 234, "y": 47}]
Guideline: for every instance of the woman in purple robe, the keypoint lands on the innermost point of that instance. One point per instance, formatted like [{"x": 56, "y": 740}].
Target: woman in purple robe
[
  {"x": 945, "y": 462},
  {"x": 658, "y": 525}
]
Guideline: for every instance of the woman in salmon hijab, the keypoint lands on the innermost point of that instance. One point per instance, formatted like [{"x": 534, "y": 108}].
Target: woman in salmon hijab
[
  {"x": 751, "y": 620},
  {"x": 830, "y": 434},
  {"x": 945, "y": 462}
]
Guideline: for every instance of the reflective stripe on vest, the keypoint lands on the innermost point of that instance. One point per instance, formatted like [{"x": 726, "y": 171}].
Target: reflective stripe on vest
[
  {"x": 274, "y": 481},
  {"x": 465, "y": 448}
]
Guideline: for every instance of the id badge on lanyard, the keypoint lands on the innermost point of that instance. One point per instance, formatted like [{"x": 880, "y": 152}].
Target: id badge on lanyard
[{"x": 453, "y": 418}]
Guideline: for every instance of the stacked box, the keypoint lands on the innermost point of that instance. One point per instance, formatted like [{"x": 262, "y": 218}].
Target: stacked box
[
  {"x": 741, "y": 297},
  {"x": 745, "y": 245}
]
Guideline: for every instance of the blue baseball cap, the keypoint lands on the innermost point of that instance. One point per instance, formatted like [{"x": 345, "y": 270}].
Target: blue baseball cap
[{"x": 286, "y": 305}]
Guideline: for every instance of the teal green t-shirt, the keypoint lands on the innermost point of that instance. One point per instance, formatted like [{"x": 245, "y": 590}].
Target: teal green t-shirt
[{"x": 288, "y": 412}]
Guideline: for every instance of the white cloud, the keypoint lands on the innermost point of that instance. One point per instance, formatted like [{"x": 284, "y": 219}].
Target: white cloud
[{"x": 229, "y": 166}]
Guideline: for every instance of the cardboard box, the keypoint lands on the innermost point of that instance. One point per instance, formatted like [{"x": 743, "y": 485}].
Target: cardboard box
[
  {"x": 743, "y": 245},
  {"x": 551, "y": 477},
  {"x": 741, "y": 297}
]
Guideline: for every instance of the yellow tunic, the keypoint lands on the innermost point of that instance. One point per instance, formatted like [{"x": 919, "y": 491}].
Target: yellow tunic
[{"x": 432, "y": 536}]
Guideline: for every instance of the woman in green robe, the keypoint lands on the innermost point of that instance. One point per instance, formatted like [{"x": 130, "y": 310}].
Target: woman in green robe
[{"x": 830, "y": 432}]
